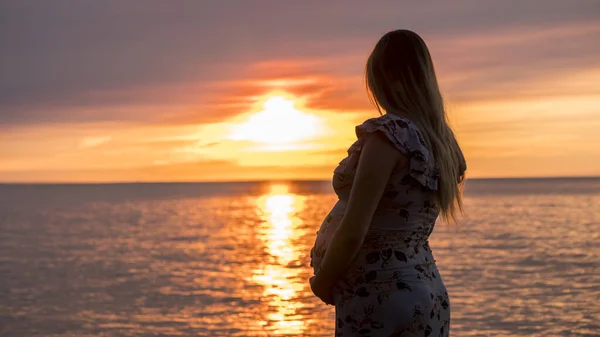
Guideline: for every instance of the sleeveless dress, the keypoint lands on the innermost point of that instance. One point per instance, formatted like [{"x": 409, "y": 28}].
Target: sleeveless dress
[{"x": 393, "y": 287}]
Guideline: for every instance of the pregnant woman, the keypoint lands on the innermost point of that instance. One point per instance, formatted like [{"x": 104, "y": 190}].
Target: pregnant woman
[{"x": 371, "y": 257}]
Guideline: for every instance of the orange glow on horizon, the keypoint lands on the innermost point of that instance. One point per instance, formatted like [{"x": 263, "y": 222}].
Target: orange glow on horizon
[{"x": 300, "y": 129}]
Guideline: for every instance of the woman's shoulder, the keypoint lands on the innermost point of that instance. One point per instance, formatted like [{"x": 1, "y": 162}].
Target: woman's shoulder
[
  {"x": 408, "y": 139},
  {"x": 387, "y": 119},
  {"x": 399, "y": 130}
]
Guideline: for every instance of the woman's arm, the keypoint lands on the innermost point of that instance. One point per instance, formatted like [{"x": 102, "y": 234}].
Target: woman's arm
[{"x": 377, "y": 160}]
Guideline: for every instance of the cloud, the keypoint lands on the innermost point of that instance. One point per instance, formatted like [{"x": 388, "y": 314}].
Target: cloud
[
  {"x": 94, "y": 141},
  {"x": 113, "y": 61},
  {"x": 114, "y": 90},
  {"x": 318, "y": 84},
  {"x": 515, "y": 60}
]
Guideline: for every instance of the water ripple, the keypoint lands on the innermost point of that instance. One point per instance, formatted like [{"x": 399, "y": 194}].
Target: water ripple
[{"x": 236, "y": 264}]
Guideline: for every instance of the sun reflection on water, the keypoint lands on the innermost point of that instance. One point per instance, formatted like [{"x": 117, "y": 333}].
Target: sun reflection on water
[{"x": 279, "y": 274}]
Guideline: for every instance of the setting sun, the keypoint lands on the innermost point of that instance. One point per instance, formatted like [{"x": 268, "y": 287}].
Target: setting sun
[{"x": 278, "y": 123}]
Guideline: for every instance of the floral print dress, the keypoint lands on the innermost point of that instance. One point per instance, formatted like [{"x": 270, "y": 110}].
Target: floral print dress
[{"x": 393, "y": 287}]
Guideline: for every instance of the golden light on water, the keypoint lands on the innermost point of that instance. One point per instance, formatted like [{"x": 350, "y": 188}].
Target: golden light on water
[{"x": 279, "y": 275}]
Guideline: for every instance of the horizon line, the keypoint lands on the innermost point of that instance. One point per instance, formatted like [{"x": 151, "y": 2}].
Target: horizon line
[{"x": 259, "y": 181}]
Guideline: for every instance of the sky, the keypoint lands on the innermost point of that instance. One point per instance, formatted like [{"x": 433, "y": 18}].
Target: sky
[{"x": 116, "y": 91}]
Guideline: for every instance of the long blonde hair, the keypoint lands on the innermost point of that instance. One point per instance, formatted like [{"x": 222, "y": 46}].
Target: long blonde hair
[{"x": 400, "y": 79}]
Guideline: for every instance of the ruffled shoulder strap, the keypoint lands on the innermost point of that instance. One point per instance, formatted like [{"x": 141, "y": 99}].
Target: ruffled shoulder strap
[{"x": 407, "y": 138}]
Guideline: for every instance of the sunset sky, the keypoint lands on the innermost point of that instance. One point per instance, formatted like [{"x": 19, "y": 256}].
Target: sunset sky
[{"x": 245, "y": 90}]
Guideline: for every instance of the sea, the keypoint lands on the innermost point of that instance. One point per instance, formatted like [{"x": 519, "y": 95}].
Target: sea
[{"x": 231, "y": 259}]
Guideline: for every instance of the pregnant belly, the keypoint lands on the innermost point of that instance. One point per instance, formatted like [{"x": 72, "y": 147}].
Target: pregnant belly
[
  {"x": 325, "y": 234},
  {"x": 385, "y": 263}
]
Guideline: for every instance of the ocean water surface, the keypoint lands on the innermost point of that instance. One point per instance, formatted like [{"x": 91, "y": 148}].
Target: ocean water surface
[{"x": 232, "y": 259}]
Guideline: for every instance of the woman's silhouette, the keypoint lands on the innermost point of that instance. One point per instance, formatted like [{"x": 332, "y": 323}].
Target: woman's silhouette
[{"x": 371, "y": 257}]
